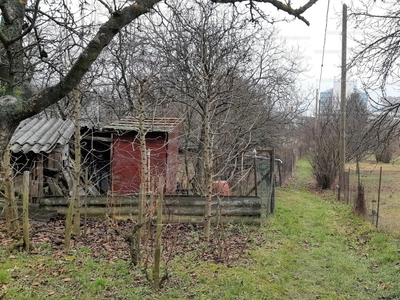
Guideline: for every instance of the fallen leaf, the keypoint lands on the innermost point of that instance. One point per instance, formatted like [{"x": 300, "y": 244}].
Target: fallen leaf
[
  {"x": 4, "y": 287},
  {"x": 66, "y": 279},
  {"x": 51, "y": 293}
]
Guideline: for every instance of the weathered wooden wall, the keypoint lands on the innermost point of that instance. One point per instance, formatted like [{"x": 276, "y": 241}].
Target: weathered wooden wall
[{"x": 177, "y": 209}]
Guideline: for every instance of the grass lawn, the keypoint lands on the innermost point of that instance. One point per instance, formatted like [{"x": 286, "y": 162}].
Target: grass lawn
[{"x": 312, "y": 248}]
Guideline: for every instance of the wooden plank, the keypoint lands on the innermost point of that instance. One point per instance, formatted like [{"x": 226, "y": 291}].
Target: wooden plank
[
  {"x": 54, "y": 188},
  {"x": 190, "y": 207},
  {"x": 33, "y": 188}
]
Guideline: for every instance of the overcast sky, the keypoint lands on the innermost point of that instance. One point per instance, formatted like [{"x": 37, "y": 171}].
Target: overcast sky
[{"x": 310, "y": 39}]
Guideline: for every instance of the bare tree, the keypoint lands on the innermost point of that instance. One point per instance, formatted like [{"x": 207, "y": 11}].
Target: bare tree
[
  {"x": 19, "y": 100},
  {"x": 358, "y": 138},
  {"x": 324, "y": 137},
  {"x": 376, "y": 59},
  {"x": 19, "y": 20},
  {"x": 45, "y": 51},
  {"x": 231, "y": 79}
]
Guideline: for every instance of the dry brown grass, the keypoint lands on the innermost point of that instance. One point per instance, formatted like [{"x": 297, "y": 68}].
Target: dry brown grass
[{"x": 389, "y": 209}]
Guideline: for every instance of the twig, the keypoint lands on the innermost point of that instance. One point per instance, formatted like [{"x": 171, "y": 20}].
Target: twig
[{"x": 244, "y": 245}]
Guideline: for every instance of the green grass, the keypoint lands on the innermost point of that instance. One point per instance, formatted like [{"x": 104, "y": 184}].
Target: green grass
[
  {"x": 303, "y": 171},
  {"x": 312, "y": 248}
]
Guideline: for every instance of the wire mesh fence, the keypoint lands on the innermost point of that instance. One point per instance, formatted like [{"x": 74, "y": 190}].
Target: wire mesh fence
[
  {"x": 257, "y": 177},
  {"x": 382, "y": 195}
]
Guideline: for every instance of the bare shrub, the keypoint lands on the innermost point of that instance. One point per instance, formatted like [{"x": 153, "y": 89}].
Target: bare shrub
[{"x": 360, "y": 208}]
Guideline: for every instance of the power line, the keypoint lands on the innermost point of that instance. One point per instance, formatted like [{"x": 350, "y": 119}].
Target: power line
[{"x": 323, "y": 48}]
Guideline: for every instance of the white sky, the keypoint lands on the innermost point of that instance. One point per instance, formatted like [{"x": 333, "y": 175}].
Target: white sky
[{"x": 310, "y": 39}]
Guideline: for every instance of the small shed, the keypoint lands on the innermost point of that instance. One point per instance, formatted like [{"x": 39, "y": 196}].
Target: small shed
[
  {"x": 40, "y": 146},
  {"x": 162, "y": 142}
]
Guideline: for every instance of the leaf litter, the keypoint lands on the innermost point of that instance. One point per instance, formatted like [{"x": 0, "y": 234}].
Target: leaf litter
[{"x": 105, "y": 240}]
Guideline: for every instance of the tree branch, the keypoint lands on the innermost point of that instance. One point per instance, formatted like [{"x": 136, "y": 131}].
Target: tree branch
[
  {"x": 105, "y": 34},
  {"x": 280, "y": 6},
  {"x": 30, "y": 27},
  {"x": 106, "y": 6},
  {"x": 4, "y": 11}
]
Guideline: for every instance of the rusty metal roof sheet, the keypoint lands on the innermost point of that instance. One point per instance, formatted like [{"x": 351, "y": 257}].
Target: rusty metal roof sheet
[
  {"x": 150, "y": 125},
  {"x": 41, "y": 135}
]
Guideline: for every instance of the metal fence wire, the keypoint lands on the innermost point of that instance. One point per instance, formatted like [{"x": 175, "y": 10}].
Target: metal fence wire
[
  {"x": 382, "y": 202},
  {"x": 257, "y": 177}
]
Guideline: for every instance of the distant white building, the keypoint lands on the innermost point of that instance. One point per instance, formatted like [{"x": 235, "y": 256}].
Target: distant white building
[{"x": 327, "y": 98}]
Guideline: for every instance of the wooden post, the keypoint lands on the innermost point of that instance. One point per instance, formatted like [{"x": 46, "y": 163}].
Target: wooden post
[
  {"x": 379, "y": 197},
  {"x": 342, "y": 149},
  {"x": 255, "y": 172},
  {"x": 241, "y": 173},
  {"x": 316, "y": 109},
  {"x": 279, "y": 173},
  {"x": 85, "y": 200},
  {"x": 40, "y": 177},
  {"x": 157, "y": 253},
  {"x": 346, "y": 186},
  {"x": 272, "y": 162},
  {"x": 25, "y": 211}
]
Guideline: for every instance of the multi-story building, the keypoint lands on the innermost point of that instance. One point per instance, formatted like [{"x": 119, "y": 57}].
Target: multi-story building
[{"x": 330, "y": 98}]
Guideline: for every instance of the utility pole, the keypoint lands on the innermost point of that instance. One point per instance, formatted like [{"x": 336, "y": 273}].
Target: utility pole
[
  {"x": 316, "y": 109},
  {"x": 343, "y": 106}
]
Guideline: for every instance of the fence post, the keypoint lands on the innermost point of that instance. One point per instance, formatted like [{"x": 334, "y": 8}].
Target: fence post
[
  {"x": 379, "y": 196},
  {"x": 272, "y": 163},
  {"x": 255, "y": 172},
  {"x": 346, "y": 186},
  {"x": 25, "y": 210}
]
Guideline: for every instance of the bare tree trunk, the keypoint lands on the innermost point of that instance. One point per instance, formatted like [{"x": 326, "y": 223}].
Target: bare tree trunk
[
  {"x": 68, "y": 227},
  {"x": 198, "y": 182},
  {"x": 11, "y": 210},
  {"x": 72, "y": 223},
  {"x": 157, "y": 253},
  {"x": 143, "y": 169},
  {"x": 6, "y": 131},
  {"x": 208, "y": 169},
  {"x": 77, "y": 165}
]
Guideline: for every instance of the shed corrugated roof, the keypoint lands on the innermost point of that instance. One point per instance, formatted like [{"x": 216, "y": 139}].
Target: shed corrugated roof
[
  {"x": 151, "y": 125},
  {"x": 41, "y": 135}
]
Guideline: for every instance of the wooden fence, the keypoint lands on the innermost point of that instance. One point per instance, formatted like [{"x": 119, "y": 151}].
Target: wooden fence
[{"x": 177, "y": 209}]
